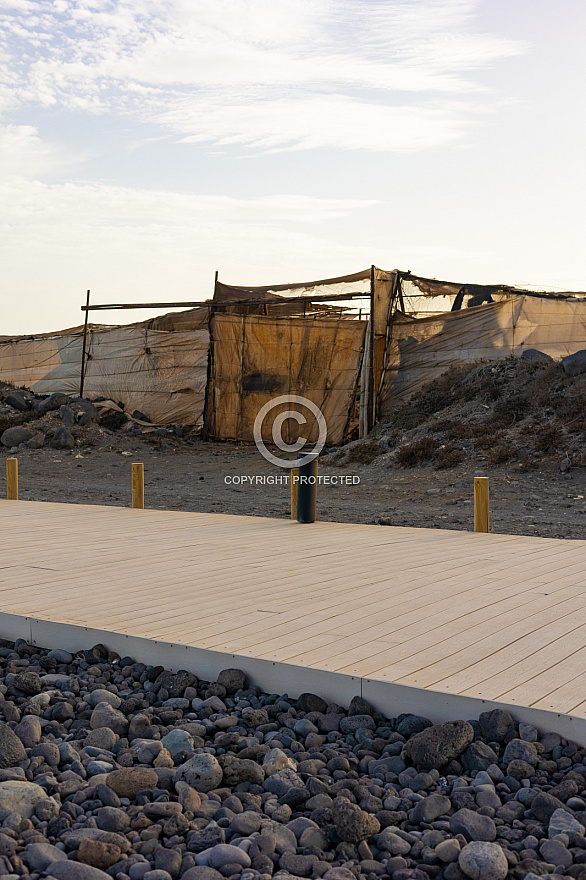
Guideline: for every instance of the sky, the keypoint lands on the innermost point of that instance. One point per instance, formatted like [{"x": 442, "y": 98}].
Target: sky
[{"x": 145, "y": 144}]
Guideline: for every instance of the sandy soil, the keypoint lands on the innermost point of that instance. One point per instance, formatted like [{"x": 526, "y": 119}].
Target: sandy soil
[{"x": 181, "y": 476}]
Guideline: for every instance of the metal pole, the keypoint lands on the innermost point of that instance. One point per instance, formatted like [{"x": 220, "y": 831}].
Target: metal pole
[
  {"x": 83, "y": 350},
  {"x": 307, "y": 492}
]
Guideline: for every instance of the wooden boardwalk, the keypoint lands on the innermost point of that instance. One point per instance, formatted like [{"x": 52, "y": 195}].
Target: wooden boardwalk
[{"x": 497, "y": 617}]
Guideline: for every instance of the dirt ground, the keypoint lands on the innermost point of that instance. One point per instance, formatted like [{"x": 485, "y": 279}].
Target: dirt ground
[{"x": 180, "y": 476}]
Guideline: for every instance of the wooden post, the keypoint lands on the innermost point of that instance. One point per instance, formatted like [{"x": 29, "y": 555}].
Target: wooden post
[
  {"x": 294, "y": 487},
  {"x": 481, "y": 506},
  {"x": 371, "y": 411},
  {"x": 138, "y": 485},
  {"x": 12, "y": 479},
  {"x": 83, "y": 349}
]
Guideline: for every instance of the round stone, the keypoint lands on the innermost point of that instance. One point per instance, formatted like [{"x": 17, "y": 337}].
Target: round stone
[
  {"x": 202, "y": 772},
  {"x": 482, "y": 860},
  {"x": 130, "y": 780}
]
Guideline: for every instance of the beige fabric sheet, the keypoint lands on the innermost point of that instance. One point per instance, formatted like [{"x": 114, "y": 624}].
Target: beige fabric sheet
[
  {"x": 421, "y": 349},
  {"x": 256, "y": 359},
  {"x": 43, "y": 365},
  {"x": 161, "y": 374}
]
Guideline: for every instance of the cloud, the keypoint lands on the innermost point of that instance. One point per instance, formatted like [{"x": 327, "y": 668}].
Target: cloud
[
  {"x": 24, "y": 154},
  {"x": 257, "y": 73},
  {"x": 148, "y": 244}
]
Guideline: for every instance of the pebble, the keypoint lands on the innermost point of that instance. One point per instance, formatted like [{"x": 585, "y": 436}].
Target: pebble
[
  {"x": 561, "y": 822},
  {"x": 11, "y": 748},
  {"x": 201, "y": 772},
  {"x": 19, "y": 797},
  {"x": 156, "y": 775},
  {"x": 473, "y": 826},
  {"x": 448, "y": 850},
  {"x": 482, "y": 860}
]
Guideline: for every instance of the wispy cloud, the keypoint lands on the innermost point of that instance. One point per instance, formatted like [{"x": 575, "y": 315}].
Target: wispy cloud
[
  {"x": 128, "y": 243},
  {"x": 263, "y": 74}
]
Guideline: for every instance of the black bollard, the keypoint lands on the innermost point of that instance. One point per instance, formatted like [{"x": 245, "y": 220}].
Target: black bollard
[{"x": 307, "y": 492}]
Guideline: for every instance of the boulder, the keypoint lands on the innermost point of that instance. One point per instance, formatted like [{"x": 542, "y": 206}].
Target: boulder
[
  {"x": 534, "y": 356},
  {"x": 478, "y": 756},
  {"x": 28, "y": 682},
  {"x": 311, "y": 703},
  {"x": 19, "y": 797},
  {"x": 482, "y": 860},
  {"x": 202, "y": 772},
  {"x": 62, "y": 438},
  {"x": 237, "y": 770},
  {"x": 232, "y": 679},
  {"x": 280, "y": 783},
  {"x": 17, "y": 400},
  {"x": 473, "y": 826},
  {"x": 11, "y": 748},
  {"x": 105, "y": 715},
  {"x": 574, "y": 364},
  {"x": 130, "y": 780},
  {"x": 175, "y": 683},
  {"x": 15, "y": 436},
  {"x": 53, "y": 402},
  {"x": 98, "y": 854},
  {"x": 75, "y": 871},
  {"x": 436, "y": 746},
  {"x": 40, "y": 855},
  {"x": 37, "y": 441},
  {"x": 353, "y": 824},
  {"x": 496, "y": 725}
]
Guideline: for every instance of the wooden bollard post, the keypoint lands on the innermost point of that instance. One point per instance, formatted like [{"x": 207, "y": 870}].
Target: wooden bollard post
[
  {"x": 294, "y": 487},
  {"x": 12, "y": 479},
  {"x": 138, "y": 485},
  {"x": 481, "y": 506}
]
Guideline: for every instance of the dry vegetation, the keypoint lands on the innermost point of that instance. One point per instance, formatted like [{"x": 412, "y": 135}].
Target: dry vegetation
[{"x": 509, "y": 412}]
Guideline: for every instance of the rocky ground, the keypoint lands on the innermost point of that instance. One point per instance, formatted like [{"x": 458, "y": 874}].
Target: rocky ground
[
  {"x": 110, "y": 768},
  {"x": 417, "y": 469}
]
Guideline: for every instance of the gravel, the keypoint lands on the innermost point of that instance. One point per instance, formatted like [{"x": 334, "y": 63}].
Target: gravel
[{"x": 113, "y": 769}]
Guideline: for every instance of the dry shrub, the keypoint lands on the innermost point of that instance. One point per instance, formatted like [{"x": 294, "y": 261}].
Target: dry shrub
[
  {"x": 527, "y": 464},
  {"x": 435, "y": 396},
  {"x": 416, "y": 453},
  {"x": 493, "y": 387},
  {"x": 333, "y": 459},
  {"x": 454, "y": 429},
  {"x": 568, "y": 407},
  {"x": 365, "y": 453},
  {"x": 549, "y": 382},
  {"x": 510, "y": 409},
  {"x": 448, "y": 457},
  {"x": 485, "y": 436},
  {"x": 549, "y": 438},
  {"x": 502, "y": 454}
]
